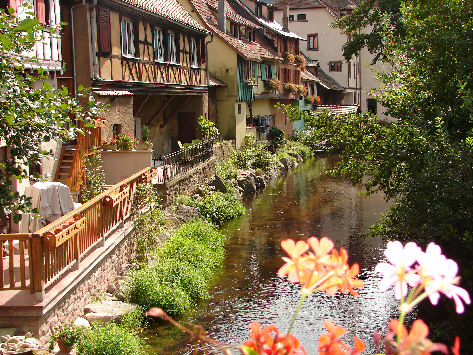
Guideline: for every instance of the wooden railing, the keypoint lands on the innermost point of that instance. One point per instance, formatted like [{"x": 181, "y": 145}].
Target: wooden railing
[
  {"x": 86, "y": 144},
  {"x": 45, "y": 255},
  {"x": 185, "y": 159}
]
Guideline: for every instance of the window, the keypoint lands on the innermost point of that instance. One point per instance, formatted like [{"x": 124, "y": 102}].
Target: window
[
  {"x": 313, "y": 42},
  {"x": 250, "y": 34},
  {"x": 301, "y": 17},
  {"x": 158, "y": 45},
  {"x": 270, "y": 14},
  {"x": 291, "y": 17},
  {"x": 193, "y": 53},
  {"x": 235, "y": 30},
  {"x": 335, "y": 66},
  {"x": 259, "y": 10},
  {"x": 372, "y": 106},
  {"x": 247, "y": 70},
  {"x": 172, "y": 47},
  {"x": 128, "y": 39}
]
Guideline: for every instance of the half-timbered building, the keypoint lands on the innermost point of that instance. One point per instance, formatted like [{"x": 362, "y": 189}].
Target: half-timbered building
[
  {"x": 246, "y": 54},
  {"x": 146, "y": 59}
]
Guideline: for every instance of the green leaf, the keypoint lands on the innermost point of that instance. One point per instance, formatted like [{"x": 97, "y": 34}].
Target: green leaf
[
  {"x": 27, "y": 25},
  {"x": 247, "y": 350}
]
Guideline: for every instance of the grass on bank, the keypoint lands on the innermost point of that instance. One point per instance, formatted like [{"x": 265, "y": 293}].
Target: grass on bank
[{"x": 186, "y": 264}]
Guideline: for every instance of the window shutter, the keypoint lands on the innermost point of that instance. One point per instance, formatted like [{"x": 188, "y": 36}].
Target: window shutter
[
  {"x": 255, "y": 70},
  {"x": 177, "y": 40},
  {"x": 165, "y": 46},
  {"x": 202, "y": 51},
  {"x": 41, "y": 11},
  {"x": 135, "y": 39},
  {"x": 105, "y": 43},
  {"x": 263, "y": 71},
  {"x": 197, "y": 51}
]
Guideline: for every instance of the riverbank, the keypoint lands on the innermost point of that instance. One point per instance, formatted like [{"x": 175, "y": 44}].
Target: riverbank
[{"x": 156, "y": 226}]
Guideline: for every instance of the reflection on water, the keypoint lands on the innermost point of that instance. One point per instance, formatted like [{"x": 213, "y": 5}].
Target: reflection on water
[{"x": 303, "y": 204}]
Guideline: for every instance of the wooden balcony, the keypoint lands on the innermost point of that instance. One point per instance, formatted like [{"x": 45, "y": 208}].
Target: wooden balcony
[{"x": 36, "y": 261}]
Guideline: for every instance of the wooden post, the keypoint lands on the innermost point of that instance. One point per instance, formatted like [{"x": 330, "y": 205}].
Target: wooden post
[{"x": 37, "y": 279}]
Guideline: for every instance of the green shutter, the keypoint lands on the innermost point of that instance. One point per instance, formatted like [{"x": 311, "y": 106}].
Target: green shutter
[
  {"x": 255, "y": 70},
  {"x": 274, "y": 71},
  {"x": 263, "y": 72}
]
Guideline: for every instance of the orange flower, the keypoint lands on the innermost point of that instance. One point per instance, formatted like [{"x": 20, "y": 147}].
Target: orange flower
[
  {"x": 269, "y": 341},
  {"x": 294, "y": 250},
  {"x": 325, "y": 269},
  {"x": 330, "y": 343},
  {"x": 415, "y": 342},
  {"x": 456, "y": 346}
]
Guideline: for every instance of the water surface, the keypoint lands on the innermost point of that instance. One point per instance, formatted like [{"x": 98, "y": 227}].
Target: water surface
[{"x": 305, "y": 203}]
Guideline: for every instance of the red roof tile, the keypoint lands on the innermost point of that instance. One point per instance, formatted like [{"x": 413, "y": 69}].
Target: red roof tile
[
  {"x": 170, "y": 9},
  {"x": 249, "y": 50}
]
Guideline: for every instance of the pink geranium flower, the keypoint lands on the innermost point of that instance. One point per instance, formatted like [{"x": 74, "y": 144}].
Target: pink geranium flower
[{"x": 398, "y": 271}]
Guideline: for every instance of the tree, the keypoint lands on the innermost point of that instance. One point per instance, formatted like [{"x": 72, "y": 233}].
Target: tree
[
  {"x": 423, "y": 160},
  {"x": 365, "y": 26},
  {"x": 29, "y": 115}
]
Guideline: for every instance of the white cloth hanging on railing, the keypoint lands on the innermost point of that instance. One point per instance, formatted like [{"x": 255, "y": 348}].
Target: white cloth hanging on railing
[{"x": 53, "y": 200}]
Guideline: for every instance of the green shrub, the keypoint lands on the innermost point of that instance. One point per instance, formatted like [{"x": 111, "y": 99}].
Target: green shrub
[
  {"x": 187, "y": 262},
  {"x": 297, "y": 147},
  {"x": 257, "y": 157},
  {"x": 217, "y": 207},
  {"x": 276, "y": 136},
  {"x": 109, "y": 339},
  {"x": 227, "y": 170}
]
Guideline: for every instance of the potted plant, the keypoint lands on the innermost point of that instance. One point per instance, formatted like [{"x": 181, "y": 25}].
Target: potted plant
[
  {"x": 288, "y": 57},
  {"x": 303, "y": 90},
  {"x": 65, "y": 336},
  {"x": 110, "y": 144},
  {"x": 273, "y": 84},
  {"x": 125, "y": 142},
  {"x": 299, "y": 59},
  {"x": 291, "y": 88},
  {"x": 145, "y": 143},
  {"x": 310, "y": 99},
  {"x": 253, "y": 81}
]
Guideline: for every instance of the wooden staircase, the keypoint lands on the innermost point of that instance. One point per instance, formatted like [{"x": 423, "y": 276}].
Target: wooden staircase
[{"x": 65, "y": 164}]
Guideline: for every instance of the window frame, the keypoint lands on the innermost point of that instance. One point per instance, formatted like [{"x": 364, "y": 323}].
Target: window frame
[
  {"x": 193, "y": 53},
  {"x": 127, "y": 38},
  {"x": 291, "y": 18},
  {"x": 335, "y": 66},
  {"x": 301, "y": 19},
  {"x": 315, "y": 36},
  {"x": 159, "y": 55},
  {"x": 172, "y": 48}
]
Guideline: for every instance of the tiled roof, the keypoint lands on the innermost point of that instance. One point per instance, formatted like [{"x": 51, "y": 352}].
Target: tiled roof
[
  {"x": 232, "y": 14},
  {"x": 338, "y": 109},
  {"x": 326, "y": 80},
  {"x": 308, "y": 76},
  {"x": 170, "y": 9},
  {"x": 214, "y": 82},
  {"x": 249, "y": 50},
  {"x": 333, "y": 6}
]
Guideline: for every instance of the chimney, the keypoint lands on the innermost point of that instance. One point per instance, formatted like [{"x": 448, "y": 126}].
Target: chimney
[
  {"x": 285, "y": 16},
  {"x": 222, "y": 15}
]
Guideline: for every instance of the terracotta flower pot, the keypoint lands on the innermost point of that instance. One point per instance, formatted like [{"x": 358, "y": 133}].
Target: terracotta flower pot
[{"x": 65, "y": 347}]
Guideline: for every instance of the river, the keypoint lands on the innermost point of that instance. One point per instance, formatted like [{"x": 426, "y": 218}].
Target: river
[{"x": 305, "y": 203}]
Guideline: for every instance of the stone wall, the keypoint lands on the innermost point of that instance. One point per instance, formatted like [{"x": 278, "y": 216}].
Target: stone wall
[
  {"x": 65, "y": 300},
  {"x": 187, "y": 182},
  {"x": 94, "y": 282}
]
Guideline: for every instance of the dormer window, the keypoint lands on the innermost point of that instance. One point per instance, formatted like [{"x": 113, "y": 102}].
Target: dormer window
[
  {"x": 259, "y": 10},
  {"x": 250, "y": 34},
  {"x": 271, "y": 14},
  {"x": 128, "y": 38},
  {"x": 235, "y": 30},
  {"x": 172, "y": 47},
  {"x": 158, "y": 44}
]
